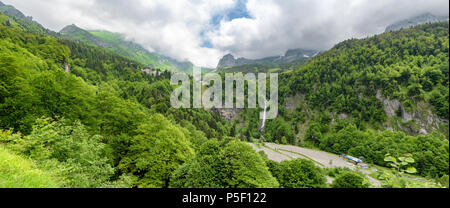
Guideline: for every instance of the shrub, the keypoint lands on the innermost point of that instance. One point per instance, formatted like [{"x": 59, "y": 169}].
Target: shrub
[{"x": 349, "y": 180}]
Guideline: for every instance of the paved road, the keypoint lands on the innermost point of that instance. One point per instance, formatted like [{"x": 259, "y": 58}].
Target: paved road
[
  {"x": 326, "y": 159},
  {"x": 280, "y": 153},
  {"x": 277, "y": 157}
]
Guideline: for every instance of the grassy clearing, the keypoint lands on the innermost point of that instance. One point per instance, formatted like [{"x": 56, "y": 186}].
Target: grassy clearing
[{"x": 18, "y": 172}]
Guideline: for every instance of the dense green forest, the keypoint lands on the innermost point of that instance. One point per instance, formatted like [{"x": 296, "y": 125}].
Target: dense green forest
[{"x": 77, "y": 115}]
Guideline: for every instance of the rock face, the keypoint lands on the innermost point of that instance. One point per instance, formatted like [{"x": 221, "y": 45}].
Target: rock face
[
  {"x": 290, "y": 56},
  {"x": 66, "y": 68},
  {"x": 152, "y": 72},
  {"x": 418, "y": 20},
  {"x": 228, "y": 114},
  {"x": 227, "y": 60},
  {"x": 424, "y": 120},
  {"x": 390, "y": 106},
  {"x": 9, "y": 23}
]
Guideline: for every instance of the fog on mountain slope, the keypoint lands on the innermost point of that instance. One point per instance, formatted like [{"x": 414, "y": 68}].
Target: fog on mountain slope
[
  {"x": 417, "y": 20},
  {"x": 118, "y": 43}
]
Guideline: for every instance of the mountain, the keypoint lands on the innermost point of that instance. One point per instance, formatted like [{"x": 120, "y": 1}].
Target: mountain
[
  {"x": 291, "y": 57},
  {"x": 25, "y": 22},
  {"x": 377, "y": 80},
  {"x": 13, "y": 12},
  {"x": 118, "y": 43},
  {"x": 417, "y": 20}
]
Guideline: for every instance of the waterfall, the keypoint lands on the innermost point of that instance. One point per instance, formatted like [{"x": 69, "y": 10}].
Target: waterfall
[{"x": 264, "y": 116}]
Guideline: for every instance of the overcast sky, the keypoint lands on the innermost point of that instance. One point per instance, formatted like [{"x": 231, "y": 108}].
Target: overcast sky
[{"x": 202, "y": 31}]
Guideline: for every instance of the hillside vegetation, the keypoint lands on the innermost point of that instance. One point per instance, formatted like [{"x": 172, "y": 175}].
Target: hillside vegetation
[
  {"x": 118, "y": 44},
  {"x": 88, "y": 120},
  {"x": 74, "y": 114},
  {"x": 18, "y": 172},
  {"x": 339, "y": 100}
]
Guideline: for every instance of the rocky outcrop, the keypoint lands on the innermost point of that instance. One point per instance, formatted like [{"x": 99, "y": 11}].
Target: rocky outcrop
[
  {"x": 294, "y": 101},
  {"x": 227, "y": 113},
  {"x": 66, "y": 68},
  {"x": 151, "y": 72},
  {"x": 9, "y": 23},
  {"x": 290, "y": 56},
  {"x": 390, "y": 106},
  {"x": 423, "y": 120}
]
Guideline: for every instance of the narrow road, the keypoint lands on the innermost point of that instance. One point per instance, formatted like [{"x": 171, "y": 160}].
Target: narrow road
[
  {"x": 326, "y": 159},
  {"x": 275, "y": 156},
  {"x": 278, "y": 153}
]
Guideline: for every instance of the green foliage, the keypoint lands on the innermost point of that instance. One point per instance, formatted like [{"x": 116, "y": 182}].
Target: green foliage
[
  {"x": 18, "y": 172},
  {"x": 280, "y": 131},
  {"x": 314, "y": 133},
  {"x": 400, "y": 164},
  {"x": 158, "y": 149},
  {"x": 228, "y": 164},
  {"x": 349, "y": 179},
  {"x": 444, "y": 181},
  {"x": 397, "y": 178},
  {"x": 80, "y": 158},
  {"x": 344, "y": 140},
  {"x": 431, "y": 152},
  {"x": 334, "y": 172},
  {"x": 107, "y": 93},
  {"x": 298, "y": 173},
  {"x": 119, "y": 130}
]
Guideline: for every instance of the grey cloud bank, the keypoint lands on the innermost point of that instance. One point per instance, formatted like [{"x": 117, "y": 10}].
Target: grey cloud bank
[{"x": 178, "y": 28}]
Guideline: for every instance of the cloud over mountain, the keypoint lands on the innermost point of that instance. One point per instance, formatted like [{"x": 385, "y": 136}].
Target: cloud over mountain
[{"x": 202, "y": 31}]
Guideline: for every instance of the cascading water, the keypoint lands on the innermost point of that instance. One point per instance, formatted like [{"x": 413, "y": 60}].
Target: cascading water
[{"x": 264, "y": 116}]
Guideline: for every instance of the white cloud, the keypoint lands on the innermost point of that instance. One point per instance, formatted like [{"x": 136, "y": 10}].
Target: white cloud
[
  {"x": 175, "y": 27},
  {"x": 280, "y": 25}
]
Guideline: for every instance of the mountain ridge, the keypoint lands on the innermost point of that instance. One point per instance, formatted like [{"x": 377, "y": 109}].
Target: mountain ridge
[
  {"x": 25, "y": 21},
  {"x": 414, "y": 21},
  {"x": 291, "y": 57},
  {"x": 117, "y": 43}
]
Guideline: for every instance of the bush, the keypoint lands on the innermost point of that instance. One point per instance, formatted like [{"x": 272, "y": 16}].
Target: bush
[
  {"x": 349, "y": 180},
  {"x": 232, "y": 164},
  {"x": 298, "y": 173},
  {"x": 68, "y": 148},
  {"x": 156, "y": 152}
]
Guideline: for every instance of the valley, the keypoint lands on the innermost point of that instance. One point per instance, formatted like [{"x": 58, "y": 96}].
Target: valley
[{"x": 92, "y": 109}]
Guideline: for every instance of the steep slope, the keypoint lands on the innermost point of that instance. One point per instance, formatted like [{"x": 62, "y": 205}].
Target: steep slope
[
  {"x": 19, "y": 172},
  {"x": 396, "y": 81},
  {"x": 386, "y": 94},
  {"x": 95, "y": 108},
  {"x": 417, "y": 20},
  {"x": 26, "y": 22},
  {"x": 117, "y": 43},
  {"x": 292, "y": 58}
]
